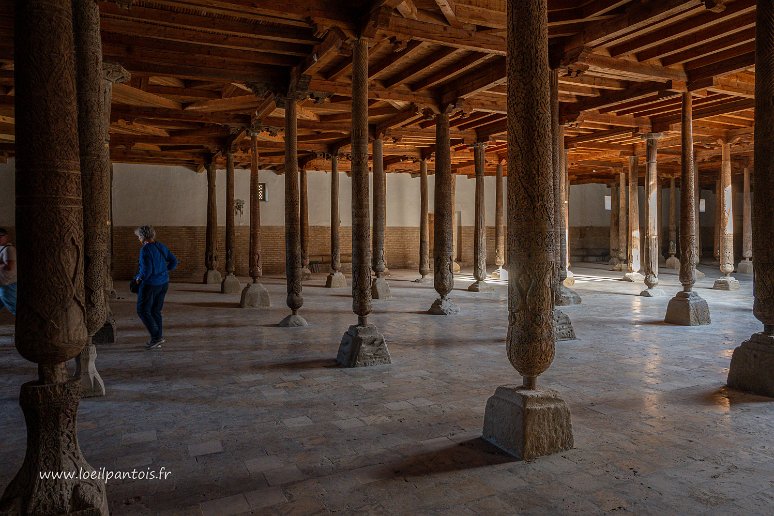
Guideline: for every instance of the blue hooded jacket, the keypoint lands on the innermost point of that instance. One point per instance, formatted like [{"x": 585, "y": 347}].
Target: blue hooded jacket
[{"x": 156, "y": 260}]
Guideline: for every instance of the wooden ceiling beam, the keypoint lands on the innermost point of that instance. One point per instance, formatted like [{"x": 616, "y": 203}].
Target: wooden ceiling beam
[
  {"x": 405, "y": 75},
  {"x": 449, "y": 11},
  {"x": 486, "y": 76},
  {"x": 569, "y": 112},
  {"x": 662, "y": 123},
  {"x": 711, "y": 45},
  {"x": 449, "y": 72}
]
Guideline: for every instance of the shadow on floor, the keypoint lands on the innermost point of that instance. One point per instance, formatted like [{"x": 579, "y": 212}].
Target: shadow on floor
[
  {"x": 475, "y": 453},
  {"x": 317, "y": 363}
]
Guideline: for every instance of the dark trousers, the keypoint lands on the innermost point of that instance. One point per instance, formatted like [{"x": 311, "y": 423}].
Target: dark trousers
[{"x": 150, "y": 301}]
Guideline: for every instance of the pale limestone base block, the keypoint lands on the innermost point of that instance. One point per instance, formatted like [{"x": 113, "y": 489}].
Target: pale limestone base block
[
  {"x": 212, "y": 277},
  {"x": 527, "y": 423},
  {"x": 255, "y": 295},
  {"x": 563, "y": 329},
  {"x": 336, "y": 280},
  {"x": 380, "y": 289},
  {"x": 726, "y": 283},
  {"x": 480, "y": 286},
  {"x": 306, "y": 274},
  {"x": 444, "y": 306},
  {"x": 673, "y": 263},
  {"x": 618, "y": 266},
  {"x": 363, "y": 346},
  {"x": 230, "y": 285},
  {"x": 633, "y": 277},
  {"x": 86, "y": 372},
  {"x": 423, "y": 279},
  {"x": 503, "y": 274},
  {"x": 688, "y": 309},
  {"x": 293, "y": 321},
  {"x": 653, "y": 292},
  {"x": 700, "y": 275},
  {"x": 752, "y": 366},
  {"x": 569, "y": 281},
  {"x": 567, "y": 296},
  {"x": 456, "y": 267},
  {"x": 745, "y": 267},
  {"x": 106, "y": 334}
]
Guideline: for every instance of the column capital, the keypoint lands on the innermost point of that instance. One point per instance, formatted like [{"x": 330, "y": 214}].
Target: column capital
[
  {"x": 115, "y": 73},
  {"x": 652, "y": 136}
]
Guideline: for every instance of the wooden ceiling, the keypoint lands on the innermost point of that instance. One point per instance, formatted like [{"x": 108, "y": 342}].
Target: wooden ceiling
[{"x": 196, "y": 65}]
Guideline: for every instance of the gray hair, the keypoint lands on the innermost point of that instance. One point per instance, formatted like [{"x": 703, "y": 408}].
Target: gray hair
[{"x": 145, "y": 233}]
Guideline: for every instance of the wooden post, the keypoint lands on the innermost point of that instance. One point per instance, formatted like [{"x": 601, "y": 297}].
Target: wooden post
[
  {"x": 726, "y": 233},
  {"x": 255, "y": 295},
  {"x": 335, "y": 279},
  {"x": 479, "y": 238},
  {"x": 380, "y": 288},
  {"x": 652, "y": 217},
  {"x": 230, "y": 284},
  {"x": 211, "y": 276},
  {"x": 424, "y": 230},
  {"x": 745, "y": 266}
]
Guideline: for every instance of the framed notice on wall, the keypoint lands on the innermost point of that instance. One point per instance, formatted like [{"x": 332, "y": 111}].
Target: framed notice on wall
[{"x": 262, "y": 192}]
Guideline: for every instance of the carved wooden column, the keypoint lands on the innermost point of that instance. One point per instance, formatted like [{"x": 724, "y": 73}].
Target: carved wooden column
[
  {"x": 336, "y": 278},
  {"x": 230, "y": 284},
  {"x": 51, "y": 326},
  {"x": 672, "y": 262},
  {"x": 752, "y": 365},
  {"x": 255, "y": 295},
  {"x": 633, "y": 269},
  {"x": 614, "y": 263},
  {"x": 424, "y": 230},
  {"x": 718, "y": 210},
  {"x": 652, "y": 217},
  {"x": 622, "y": 221},
  {"x": 304, "y": 210},
  {"x": 362, "y": 344},
  {"x": 443, "y": 229},
  {"x": 95, "y": 183},
  {"x": 499, "y": 220},
  {"x": 745, "y": 266},
  {"x": 380, "y": 289},
  {"x": 293, "y": 263},
  {"x": 565, "y": 274},
  {"x": 687, "y": 308},
  {"x": 699, "y": 274},
  {"x": 211, "y": 276},
  {"x": 726, "y": 237},
  {"x": 479, "y": 237},
  {"x": 531, "y": 248}
]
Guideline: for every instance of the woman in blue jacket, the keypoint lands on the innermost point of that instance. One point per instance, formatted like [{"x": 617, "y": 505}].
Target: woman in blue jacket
[{"x": 156, "y": 260}]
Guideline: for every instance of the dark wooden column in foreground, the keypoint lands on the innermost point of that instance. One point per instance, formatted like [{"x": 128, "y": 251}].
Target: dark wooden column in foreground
[
  {"x": 51, "y": 304},
  {"x": 531, "y": 248},
  {"x": 380, "y": 288},
  {"x": 211, "y": 276},
  {"x": 424, "y": 230},
  {"x": 293, "y": 261},
  {"x": 362, "y": 344},
  {"x": 255, "y": 295},
  {"x": 688, "y": 308},
  {"x": 752, "y": 365},
  {"x": 479, "y": 236},
  {"x": 230, "y": 284},
  {"x": 336, "y": 278}
]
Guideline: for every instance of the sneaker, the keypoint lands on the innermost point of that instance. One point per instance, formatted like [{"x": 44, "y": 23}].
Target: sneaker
[{"x": 154, "y": 344}]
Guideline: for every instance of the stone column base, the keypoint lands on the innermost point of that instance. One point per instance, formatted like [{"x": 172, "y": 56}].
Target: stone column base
[
  {"x": 335, "y": 280},
  {"x": 527, "y": 423},
  {"x": 292, "y": 321},
  {"x": 745, "y": 267},
  {"x": 661, "y": 261},
  {"x": 687, "y": 309},
  {"x": 255, "y": 295},
  {"x": 380, "y": 289},
  {"x": 563, "y": 329},
  {"x": 306, "y": 274},
  {"x": 50, "y": 412},
  {"x": 456, "y": 267},
  {"x": 106, "y": 334},
  {"x": 444, "y": 306},
  {"x": 673, "y": 263},
  {"x": 617, "y": 266},
  {"x": 503, "y": 274},
  {"x": 653, "y": 292},
  {"x": 86, "y": 372},
  {"x": 230, "y": 285},
  {"x": 423, "y": 279},
  {"x": 633, "y": 277},
  {"x": 752, "y": 366},
  {"x": 363, "y": 346},
  {"x": 566, "y": 296},
  {"x": 212, "y": 277},
  {"x": 480, "y": 286},
  {"x": 726, "y": 283},
  {"x": 569, "y": 281},
  {"x": 700, "y": 275}
]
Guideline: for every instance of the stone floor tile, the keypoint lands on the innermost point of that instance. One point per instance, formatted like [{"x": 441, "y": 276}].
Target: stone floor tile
[
  {"x": 205, "y": 448},
  {"x": 139, "y": 437},
  {"x": 236, "y": 504},
  {"x": 283, "y": 475}
]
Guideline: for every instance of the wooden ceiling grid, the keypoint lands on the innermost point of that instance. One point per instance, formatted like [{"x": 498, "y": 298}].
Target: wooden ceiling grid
[{"x": 623, "y": 67}]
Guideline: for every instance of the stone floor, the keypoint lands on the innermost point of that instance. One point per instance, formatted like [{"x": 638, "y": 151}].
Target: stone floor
[{"x": 250, "y": 417}]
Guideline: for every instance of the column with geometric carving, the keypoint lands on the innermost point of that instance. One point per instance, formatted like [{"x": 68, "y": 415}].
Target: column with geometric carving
[
  {"x": 521, "y": 419},
  {"x": 745, "y": 266},
  {"x": 672, "y": 262},
  {"x": 614, "y": 263},
  {"x": 499, "y": 222},
  {"x": 380, "y": 289},
  {"x": 306, "y": 273},
  {"x": 623, "y": 227},
  {"x": 752, "y": 364},
  {"x": 230, "y": 284},
  {"x": 255, "y": 295},
  {"x": 335, "y": 278},
  {"x": 726, "y": 234},
  {"x": 652, "y": 219},
  {"x": 211, "y": 276},
  {"x": 479, "y": 237},
  {"x": 424, "y": 231},
  {"x": 633, "y": 270},
  {"x": 51, "y": 317}
]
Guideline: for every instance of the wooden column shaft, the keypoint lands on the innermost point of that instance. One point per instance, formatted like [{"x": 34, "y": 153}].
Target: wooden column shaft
[
  {"x": 688, "y": 201},
  {"x": 443, "y": 223},
  {"x": 335, "y": 217},
  {"x": 230, "y": 212},
  {"x": 256, "y": 265},
  {"x": 479, "y": 238},
  {"x": 424, "y": 229},
  {"x": 380, "y": 206},
  {"x": 293, "y": 262},
  {"x": 210, "y": 253}
]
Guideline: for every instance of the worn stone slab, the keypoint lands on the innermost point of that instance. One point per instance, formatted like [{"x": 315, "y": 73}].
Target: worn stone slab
[
  {"x": 380, "y": 289},
  {"x": 633, "y": 277},
  {"x": 653, "y": 292},
  {"x": 688, "y": 309},
  {"x": 255, "y": 295},
  {"x": 363, "y": 346},
  {"x": 752, "y": 366},
  {"x": 205, "y": 448},
  {"x": 563, "y": 329},
  {"x": 230, "y": 285},
  {"x": 212, "y": 277},
  {"x": 567, "y": 297},
  {"x": 527, "y": 423},
  {"x": 292, "y": 321},
  {"x": 443, "y": 306},
  {"x": 336, "y": 280},
  {"x": 745, "y": 267},
  {"x": 726, "y": 283},
  {"x": 480, "y": 286}
]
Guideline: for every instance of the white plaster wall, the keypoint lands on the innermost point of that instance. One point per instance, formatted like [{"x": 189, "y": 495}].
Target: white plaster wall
[{"x": 587, "y": 205}]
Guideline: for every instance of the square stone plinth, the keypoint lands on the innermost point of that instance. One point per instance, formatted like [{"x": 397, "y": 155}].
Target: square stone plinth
[
  {"x": 726, "y": 283},
  {"x": 527, "y": 423},
  {"x": 563, "y": 329},
  {"x": 752, "y": 366},
  {"x": 687, "y": 309},
  {"x": 363, "y": 346}
]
